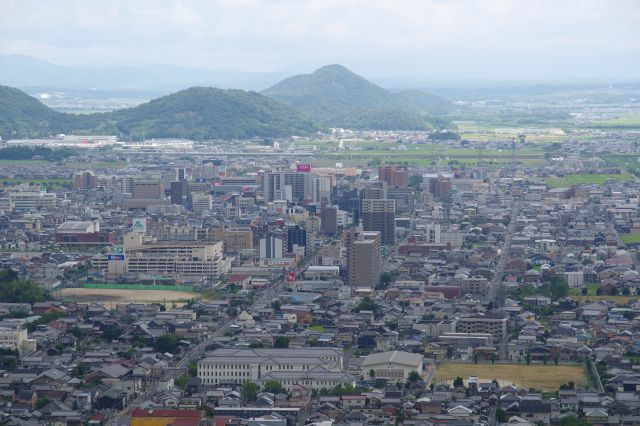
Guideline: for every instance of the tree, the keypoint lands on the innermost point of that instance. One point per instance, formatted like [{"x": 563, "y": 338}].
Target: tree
[
  {"x": 584, "y": 291},
  {"x": 281, "y": 342},
  {"x": 42, "y": 402},
  {"x": 166, "y": 343},
  {"x": 77, "y": 333},
  {"x": 372, "y": 373},
  {"x": 458, "y": 382},
  {"x": 274, "y": 386},
  {"x": 14, "y": 290},
  {"x": 572, "y": 421},
  {"x": 79, "y": 370},
  {"x": 386, "y": 278},
  {"x": 367, "y": 304},
  {"x": 476, "y": 356},
  {"x": 192, "y": 368},
  {"x": 528, "y": 359},
  {"x": 111, "y": 333},
  {"x": 276, "y": 305},
  {"x": 599, "y": 291},
  {"x": 501, "y": 416},
  {"x": 249, "y": 391},
  {"x": 414, "y": 376}
]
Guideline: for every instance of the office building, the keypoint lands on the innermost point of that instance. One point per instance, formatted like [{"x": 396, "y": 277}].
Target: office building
[
  {"x": 272, "y": 247},
  {"x": 478, "y": 324},
  {"x": 33, "y": 200},
  {"x": 147, "y": 189},
  {"x": 179, "y": 193},
  {"x": 296, "y": 240}
]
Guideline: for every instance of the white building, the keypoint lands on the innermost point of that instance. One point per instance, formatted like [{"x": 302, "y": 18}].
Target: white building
[
  {"x": 13, "y": 335},
  {"x": 242, "y": 365},
  {"x": 33, "y": 200},
  {"x": 393, "y": 365}
]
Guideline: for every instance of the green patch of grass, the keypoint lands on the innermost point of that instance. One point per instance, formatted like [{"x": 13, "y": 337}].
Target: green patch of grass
[
  {"x": 23, "y": 162},
  {"x": 586, "y": 179},
  {"x": 317, "y": 328},
  {"x": 49, "y": 183},
  {"x": 632, "y": 238}
]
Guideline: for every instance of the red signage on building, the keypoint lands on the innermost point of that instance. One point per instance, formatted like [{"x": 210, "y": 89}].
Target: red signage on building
[
  {"x": 291, "y": 277},
  {"x": 304, "y": 168}
]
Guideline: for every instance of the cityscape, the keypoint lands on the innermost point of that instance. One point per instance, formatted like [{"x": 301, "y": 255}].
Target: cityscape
[{"x": 325, "y": 248}]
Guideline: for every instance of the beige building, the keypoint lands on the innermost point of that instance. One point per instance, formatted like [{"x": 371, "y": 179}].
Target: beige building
[
  {"x": 363, "y": 259},
  {"x": 393, "y": 365},
  {"x": 235, "y": 239},
  {"x": 495, "y": 326}
]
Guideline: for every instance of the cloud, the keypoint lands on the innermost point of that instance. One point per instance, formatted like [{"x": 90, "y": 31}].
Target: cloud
[{"x": 400, "y": 37}]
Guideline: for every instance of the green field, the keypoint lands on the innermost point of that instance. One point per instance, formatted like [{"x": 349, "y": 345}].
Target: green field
[
  {"x": 586, "y": 179},
  {"x": 23, "y": 162},
  {"x": 543, "y": 377},
  {"x": 50, "y": 183},
  {"x": 97, "y": 165},
  {"x": 632, "y": 238}
]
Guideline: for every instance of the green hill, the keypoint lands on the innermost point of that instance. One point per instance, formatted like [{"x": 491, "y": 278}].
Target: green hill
[
  {"x": 336, "y": 97},
  {"x": 195, "y": 113}
]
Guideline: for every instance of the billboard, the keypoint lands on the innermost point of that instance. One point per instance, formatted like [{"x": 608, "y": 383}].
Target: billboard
[
  {"x": 139, "y": 225},
  {"x": 305, "y": 168},
  {"x": 115, "y": 253}
]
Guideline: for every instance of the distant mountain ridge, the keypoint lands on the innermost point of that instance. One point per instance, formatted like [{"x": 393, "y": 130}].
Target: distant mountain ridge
[
  {"x": 337, "y": 97},
  {"x": 195, "y": 113}
]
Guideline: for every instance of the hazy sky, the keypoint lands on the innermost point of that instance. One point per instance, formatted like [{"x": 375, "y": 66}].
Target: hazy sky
[{"x": 433, "y": 39}]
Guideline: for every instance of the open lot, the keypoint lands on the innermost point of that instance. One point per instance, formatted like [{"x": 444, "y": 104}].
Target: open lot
[
  {"x": 543, "y": 377},
  {"x": 111, "y": 297},
  {"x": 586, "y": 179}
]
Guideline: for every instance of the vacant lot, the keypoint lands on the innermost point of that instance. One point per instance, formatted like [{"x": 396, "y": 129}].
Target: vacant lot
[
  {"x": 543, "y": 377},
  {"x": 586, "y": 179},
  {"x": 111, "y": 297}
]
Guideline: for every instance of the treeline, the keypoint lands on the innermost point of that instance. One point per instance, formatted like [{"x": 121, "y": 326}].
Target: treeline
[
  {"x": 27, "y": 153},
  {"x": 15, "y": 290}
]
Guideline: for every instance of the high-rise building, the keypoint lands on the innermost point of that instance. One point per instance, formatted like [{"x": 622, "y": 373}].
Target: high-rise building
[
  {"x": 294, "y": 187},
  {"x": 147, "y": 189},
  {"x": 296, "y": 240},
  {"x": 380, "y": 215},
  {"x": 394, "y": 176},
  {"x": 364, "y": 263},
  {"x": 85, "y": 180},
  {"x": 440, "y": 186},
  {"x": 272, "y": 247},
  {"x": 328, "y": 220},
  {"x": 179, "y": 193}
]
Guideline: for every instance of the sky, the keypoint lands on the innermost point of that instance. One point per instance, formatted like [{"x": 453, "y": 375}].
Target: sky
[{"x": 412, "y": 39}]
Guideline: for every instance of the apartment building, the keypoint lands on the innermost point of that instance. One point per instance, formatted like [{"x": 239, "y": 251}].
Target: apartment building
[{"x": 477, "y": 324}]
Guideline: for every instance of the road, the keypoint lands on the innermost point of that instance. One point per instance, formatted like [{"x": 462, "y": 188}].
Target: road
[
  {"x": 267, "y": 294},
  {"x": 494, "y": 293}
]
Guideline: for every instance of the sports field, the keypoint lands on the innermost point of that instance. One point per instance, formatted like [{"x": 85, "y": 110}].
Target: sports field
[
  {"x": 111, "y": 297},
  {"x": 543, "y": 377}
]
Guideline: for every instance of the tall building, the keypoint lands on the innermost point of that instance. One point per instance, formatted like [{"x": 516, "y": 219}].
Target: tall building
[
  {"x": 296, "y": 240},
  {"x": 147, "y": 189},
  {"x": 363, "y": 258},
  {"x": 272, "y": 247},
  {"x": 394, "y": 176},
  {"x": 179, "y": 193},
  {"x": 440, "y": 186},
  {"x": 294, "y": 187},
  {"x": 328, "y": 219},
  {"x": 85, "y": 180},
  {"x": 380, "y": 215}
]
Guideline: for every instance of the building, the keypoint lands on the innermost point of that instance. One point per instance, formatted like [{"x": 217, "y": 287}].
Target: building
[
  {"x": 272, "y": 247},
  {"x": 328, "y": 219},
  {"x": 179, "y": 193},
  {"x": 380, "y": 215},
  {"x": 14, "y": 336},
  {"x": 235, "y": 239},
  {"x": 251, "y": 365},
  {"x": 74, "y": 232},
  {"x": 165, "y": 417},
  {"x": 291, "y": 186},
  {"x": 477, "y": 324},
  {"x": 436, "y": 235},
  {"x": 201, "y": 202},
  {"x": 85, "y": 180},
  {"x": 195, "y": 259},
  {"x": 394, "y": 176},
  {"x": 364, "y": 263},
  {"x": 393, "y": 365},
  {"x": 296, "y": 240},
  {"x": 147, "y": 189},
  {"x": 440, "y": 186},
  {"x": 33, "y": 200}
]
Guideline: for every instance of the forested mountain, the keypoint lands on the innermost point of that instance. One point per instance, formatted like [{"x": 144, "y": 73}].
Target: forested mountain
[
  {"x": 336, "y": 97},
  {"x": 195, "y": 113}
]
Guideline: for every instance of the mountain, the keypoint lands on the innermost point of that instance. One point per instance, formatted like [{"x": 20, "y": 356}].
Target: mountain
[
  {"x": 195, "y": 113},
  {"x": 337, "y": 97},
  {"x": 26, "y": 71}
]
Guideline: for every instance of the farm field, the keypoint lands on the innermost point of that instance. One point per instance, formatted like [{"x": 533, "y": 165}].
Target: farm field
[
  {"x": 543, "y": 377},
  {"x": 111, "y": 297},
  {"x": 584, "y": 179}
]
